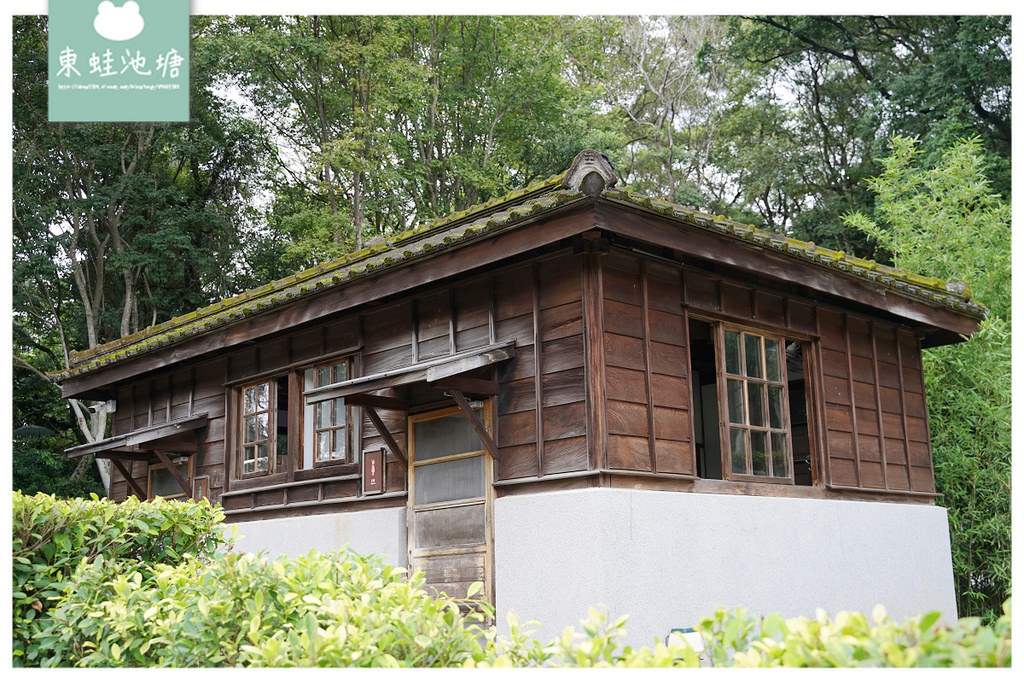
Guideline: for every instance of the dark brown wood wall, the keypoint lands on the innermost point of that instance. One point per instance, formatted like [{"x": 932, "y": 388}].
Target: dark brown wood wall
[
  {"x": 543, "y": 389},
  {"x": 538, "y": 304},
  {"x": 575, "y": 318},
  {"x": 646, "y": 367},
  {"x": 872, "y": 422},
  {"x": 876, "y": 422}
]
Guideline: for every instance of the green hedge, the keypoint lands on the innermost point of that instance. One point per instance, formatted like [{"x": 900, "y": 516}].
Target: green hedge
[
  {"x": 142, "y": 584},
  {"x": 241, "y": 610},
  {"x": 52, "y": 537}
]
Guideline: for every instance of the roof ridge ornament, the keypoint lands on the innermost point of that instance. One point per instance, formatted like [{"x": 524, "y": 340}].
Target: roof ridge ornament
[{"x": 591, "y": 173}]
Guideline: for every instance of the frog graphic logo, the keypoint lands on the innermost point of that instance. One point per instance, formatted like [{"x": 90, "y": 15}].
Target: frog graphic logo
[{"x": 118, "y": 23}]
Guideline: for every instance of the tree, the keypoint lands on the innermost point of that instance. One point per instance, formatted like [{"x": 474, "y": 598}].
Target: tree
[
  {"x": 386, "y": 122},
  {"x": 945, "y": 221},
  {"x": 116, "y": 227},
  {"x": 855, "y": 81}
]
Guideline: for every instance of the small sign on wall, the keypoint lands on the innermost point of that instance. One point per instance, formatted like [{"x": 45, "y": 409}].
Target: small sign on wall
[
  {"x": 373, "y": 471},
  {"x": 200, "y": 488}
]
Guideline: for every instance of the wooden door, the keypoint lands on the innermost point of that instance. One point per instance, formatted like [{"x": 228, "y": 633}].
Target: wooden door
[{"x": 450, "y": 501}]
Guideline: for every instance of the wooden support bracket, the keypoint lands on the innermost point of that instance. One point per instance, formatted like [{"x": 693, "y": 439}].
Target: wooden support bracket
[
  {"x": 475, "y": 423},
  {"x": 385, "y": 434},
  {"x": 182, "y": 481},
  {"x": 128, "y": 478}
]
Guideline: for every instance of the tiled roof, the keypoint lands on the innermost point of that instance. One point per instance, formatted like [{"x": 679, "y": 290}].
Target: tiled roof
[{"x": 590, "y": 174}]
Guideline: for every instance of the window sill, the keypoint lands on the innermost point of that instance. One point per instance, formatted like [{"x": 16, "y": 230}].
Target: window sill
[{"x": 249, "y": 490}]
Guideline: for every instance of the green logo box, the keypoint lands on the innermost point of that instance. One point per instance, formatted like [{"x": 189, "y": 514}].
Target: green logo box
[{"x": 119, "y": 60}]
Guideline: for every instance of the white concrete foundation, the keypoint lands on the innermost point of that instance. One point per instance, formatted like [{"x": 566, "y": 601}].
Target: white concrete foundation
[
  {"x": 368, "y": 532},
  {"x": 667, "y": 559}
]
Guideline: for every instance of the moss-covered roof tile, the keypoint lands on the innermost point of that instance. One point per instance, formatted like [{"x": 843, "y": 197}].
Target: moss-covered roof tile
[{"x": 492, "y": 216}]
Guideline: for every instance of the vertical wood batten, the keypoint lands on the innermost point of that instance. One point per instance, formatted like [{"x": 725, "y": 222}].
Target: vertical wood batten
[
  {"x": 853, "y": 399},
  {"x": 414, "y": 330},
  {"x": 903, "y": 409},
  {"x": 814, "y": 369},
  {"x": 649, "y": 386},
  {"x": 192, "y": 391},
  {"x": 492, "y": 304},
  {"x": 872, "y": 329},
  {"x": 593, "y": 351},
  {"x": 538, "y": 373},
  {"x": 691, "y": 413},
  {"x": 452, "y": 314}
]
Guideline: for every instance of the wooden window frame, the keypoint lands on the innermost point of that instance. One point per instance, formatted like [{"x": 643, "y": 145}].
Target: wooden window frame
[
  {"x": 310, "y": 412},
  {"x": 243, "y": 415},
  {"x": 291, "y": 463},
  {"x": 274, "y": 458},
  {"x": 727, "y": 425}
]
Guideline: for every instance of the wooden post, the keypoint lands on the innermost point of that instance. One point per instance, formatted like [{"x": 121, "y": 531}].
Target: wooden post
[{"x": 593, "y": 351}]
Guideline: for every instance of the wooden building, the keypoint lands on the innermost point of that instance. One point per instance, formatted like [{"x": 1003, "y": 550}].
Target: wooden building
[{"x": 523, "y": 392}]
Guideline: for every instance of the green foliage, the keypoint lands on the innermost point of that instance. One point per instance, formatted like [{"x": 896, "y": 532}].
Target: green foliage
[
  {"x": 143, "y": 584},
  {"x": 969, "y": 394},
  {"x": 51, "y": 537},
  {"x": 242, "y": 610},
  {"x": 732, "y": 638},
  {"x": 943, "y": 220},
  {"x": 850, "y": 640}
]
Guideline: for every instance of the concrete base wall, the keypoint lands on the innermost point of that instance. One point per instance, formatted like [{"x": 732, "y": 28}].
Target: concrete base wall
[
  {"x": 667, "y": 559},
  {"x": 368, "y": 532}
]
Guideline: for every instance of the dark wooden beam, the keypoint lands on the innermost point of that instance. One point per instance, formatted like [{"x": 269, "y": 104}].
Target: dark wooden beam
[
  {"x": 374, "y": 401},
  {"x": 469, "y": 385},
  {"x": 385, "y": 434},
  {"x": 182, "y": 481},
  {"x": 475, "y": 423},
  {"x": 143, "y": 495}
]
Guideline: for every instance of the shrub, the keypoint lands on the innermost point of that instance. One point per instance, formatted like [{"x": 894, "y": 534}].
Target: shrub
[
  {"x": 732, "y": 638},
  {"x": 53, "y": 536},
  {"x": 317, "y": 610},
  {"x": 849, "y": 640},
  {"x": 145, "y": 584}
]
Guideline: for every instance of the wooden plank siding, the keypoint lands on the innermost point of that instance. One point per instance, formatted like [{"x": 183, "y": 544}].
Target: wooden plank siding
[
  {"x": 538, "y": 304},
  {"x": 872, "y": 422},
  {"x": 646, "y": 367},
  {"x": 875, "y": 421},
  {"x": 541, "y": 416},
  {"x": 599, "y": 382}
]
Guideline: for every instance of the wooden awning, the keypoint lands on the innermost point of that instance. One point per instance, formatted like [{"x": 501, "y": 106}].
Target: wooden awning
[
  {"x": 177, "y": 436},
  {"x": 445, "y": 372},
  {"x": 432, "y": 371}
]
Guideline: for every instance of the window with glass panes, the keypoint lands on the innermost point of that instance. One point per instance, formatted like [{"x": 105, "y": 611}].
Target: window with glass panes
[
  {"x": 326, "y": 421},
  {"x": 256, "y": 407},
  {"x": 755, "y": 405}
]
